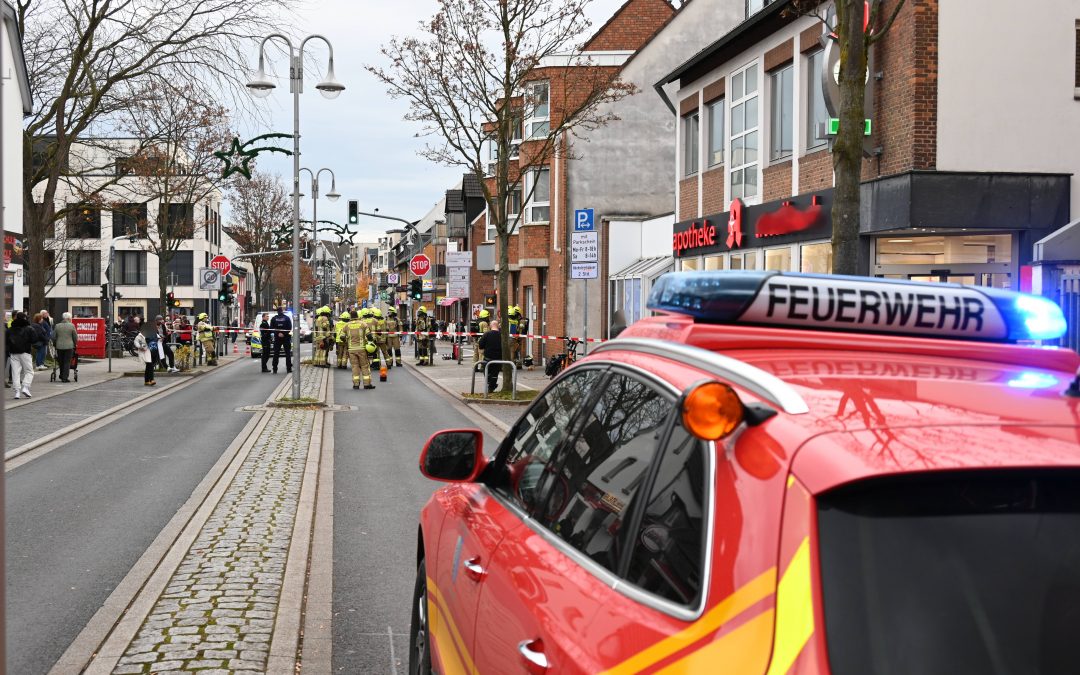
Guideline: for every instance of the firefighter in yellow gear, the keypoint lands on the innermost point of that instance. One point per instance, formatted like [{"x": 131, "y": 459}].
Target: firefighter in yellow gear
[
  {"x": 422, "y": 337},
  {"x": 382, "y": 352},
  {"x": 393, "y": 340},
  {"x": 339, "y": 340},
  {"x": 205, "y": 333},
  {"x": 513, "y": 316},
  {"x": 359, "y": 348},
  {"x": 478, "y": 328},
  {"x": 321, "y": 337}
]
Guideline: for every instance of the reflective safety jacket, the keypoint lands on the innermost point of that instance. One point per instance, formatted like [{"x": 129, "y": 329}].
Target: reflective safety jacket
[
  {"x": 356, "y": 334},
  {"x": 205, "y": 330},
  {"x": 392, "y": 325},
  {"x": 422, "y": 328},
  {"x": 483, "y": 328},
  {"x": 322, "y": 328},
  {"x": 380, "y": 331},
  {"x": 341, "y": 331}
]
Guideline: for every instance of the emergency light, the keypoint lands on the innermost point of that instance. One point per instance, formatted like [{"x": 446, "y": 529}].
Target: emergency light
[{"x": 859, "y": 304}]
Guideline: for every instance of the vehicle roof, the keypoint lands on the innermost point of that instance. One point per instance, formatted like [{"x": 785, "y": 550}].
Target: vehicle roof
[{"x": 881, "y": 405}]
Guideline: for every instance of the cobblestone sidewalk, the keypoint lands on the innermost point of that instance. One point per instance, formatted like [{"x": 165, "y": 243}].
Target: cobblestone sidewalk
[{"x": 217, "y": 612}]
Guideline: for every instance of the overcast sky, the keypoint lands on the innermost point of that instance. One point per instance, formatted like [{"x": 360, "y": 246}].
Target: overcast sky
[{"x": 361, "y": 135}]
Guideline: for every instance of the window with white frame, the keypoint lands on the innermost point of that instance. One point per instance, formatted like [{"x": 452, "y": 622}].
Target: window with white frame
[
  {"x": 817, "y": 117},
  {"x": 744, "y": 133},
  {"x": 538, "y": 120},
  {"x": 538, "y": 185},
  {"x": 513, "y": 214},
  {"x": 783, "y": 110},
  {"x": 691, "y": 142},
  {"x": 716, "y": 133}
]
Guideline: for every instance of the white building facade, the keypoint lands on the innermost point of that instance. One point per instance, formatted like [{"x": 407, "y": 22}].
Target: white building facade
[{"x": 15, "y": 104}]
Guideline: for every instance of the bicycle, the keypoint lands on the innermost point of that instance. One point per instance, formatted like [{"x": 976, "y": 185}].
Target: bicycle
[
  {"x": 126, "y": 341},
  {"x": 561, "y": 362}
]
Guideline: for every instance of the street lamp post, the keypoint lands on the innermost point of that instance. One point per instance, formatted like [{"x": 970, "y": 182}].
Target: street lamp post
[
  {"x": 332, "y": 196},
  {"x": 261, "y": 86}
]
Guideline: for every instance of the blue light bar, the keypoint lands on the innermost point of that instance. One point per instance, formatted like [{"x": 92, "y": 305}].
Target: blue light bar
[{"x": 860, "y": 304}]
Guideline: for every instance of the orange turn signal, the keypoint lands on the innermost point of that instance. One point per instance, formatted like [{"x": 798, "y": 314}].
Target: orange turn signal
[{"x": 711, "y": 410}]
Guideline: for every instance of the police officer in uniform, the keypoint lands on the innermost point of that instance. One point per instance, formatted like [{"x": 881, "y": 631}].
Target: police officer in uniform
[
  {"x": 205, "y": 332},
  {"x": 393, "y": 340},
  {"x": 282, "y": 327},
  {"x": 478, "y": 328},
  {"x": 422, "y": 337},
  {"x": 359, "y": 348},
  {"x": 339, "y": 340}
]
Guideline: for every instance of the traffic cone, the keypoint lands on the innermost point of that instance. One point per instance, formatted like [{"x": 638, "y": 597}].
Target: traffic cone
[
  {"x": 235, "y": 348},
  {"x": 247, "y": 350},
  {"x": 382, "y": 373}
]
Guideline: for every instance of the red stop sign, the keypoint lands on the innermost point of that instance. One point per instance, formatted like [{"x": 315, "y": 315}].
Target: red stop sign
[
  {"x": 221, "y": 263},
  {"x": 420, "y": 264}
]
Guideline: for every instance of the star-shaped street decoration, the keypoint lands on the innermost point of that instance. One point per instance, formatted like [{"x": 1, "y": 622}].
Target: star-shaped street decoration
[{"x": 239, "y": 156}]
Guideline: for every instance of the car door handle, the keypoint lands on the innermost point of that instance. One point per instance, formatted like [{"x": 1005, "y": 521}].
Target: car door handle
[
  {"x": 532, "y": 651},
  {"x": 474, "y": 569}
]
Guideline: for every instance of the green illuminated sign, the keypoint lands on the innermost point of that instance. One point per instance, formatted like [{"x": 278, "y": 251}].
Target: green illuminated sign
[{"x": 834, "y": 126}]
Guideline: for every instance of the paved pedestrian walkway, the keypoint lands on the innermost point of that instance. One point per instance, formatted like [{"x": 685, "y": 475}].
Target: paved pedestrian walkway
[
  {"x": 457, "y": 379},
  {"x": 217, "y": 611}
]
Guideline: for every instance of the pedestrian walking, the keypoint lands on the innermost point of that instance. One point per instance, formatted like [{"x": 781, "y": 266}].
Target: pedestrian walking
[
  {"x": 45, "y": 321},
  {"x": 491, "y": 346},
  {"x": 234, "y": 329},
  {"x": 142, "y": 348},
  {"x": 65, "y": 339},
  {"x": 165, "y": 333},
  {"x": 20, "y": 348},
  {"x": 266, "y": 340}
]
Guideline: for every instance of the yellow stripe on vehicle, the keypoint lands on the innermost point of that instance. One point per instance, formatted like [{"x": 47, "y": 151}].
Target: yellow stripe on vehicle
[
  {"x": 452, "y": 647},
  {"x": 740, "y": 651},
  {"x": 726, "y": 610},
  {"x": 794, "y": 612}
]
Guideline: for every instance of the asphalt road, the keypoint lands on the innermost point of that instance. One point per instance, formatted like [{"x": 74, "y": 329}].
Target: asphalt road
[
  {"x": 80, "y": 516},
  {"x": 378, "y": 494}
]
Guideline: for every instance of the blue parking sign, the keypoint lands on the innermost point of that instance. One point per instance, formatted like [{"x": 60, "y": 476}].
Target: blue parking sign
[{"x": 583, "y": 220}]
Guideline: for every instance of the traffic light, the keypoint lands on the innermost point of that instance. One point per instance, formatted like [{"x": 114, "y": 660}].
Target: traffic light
[
  {"x": 354, "y": 212},
  {"x": 170, "y": 300},
  {"x": 415, "y": 289},
  {"x": 104, "y": 291},
  {"x": 225, "y": 295}
]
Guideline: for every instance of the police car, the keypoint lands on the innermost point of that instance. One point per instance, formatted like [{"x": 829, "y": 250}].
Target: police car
[{"x": 779, "y": 473}]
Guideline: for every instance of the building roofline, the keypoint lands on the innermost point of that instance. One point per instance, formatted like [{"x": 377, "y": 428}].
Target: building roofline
[{"x": 615, "y": 14}]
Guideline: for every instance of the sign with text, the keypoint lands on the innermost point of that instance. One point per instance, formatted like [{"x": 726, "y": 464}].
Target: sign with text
[
  {"x": 209, "y": 279},
  {"x": 583, "y": 220},
  {"x": 420, "y": 264},
  {"x": 221, "y": 264},
  {"x": 457, "y": 289},
  {"x": 392, "y": 279},
  {"x": 589, "y": 270},
  {"x": 91, "y": 337},
  {"x": 428, "y": 285},
  {"x": 584, "y": 247},
  {"x": 459, "y": 258},
  {"x": 459, "y": 274}
]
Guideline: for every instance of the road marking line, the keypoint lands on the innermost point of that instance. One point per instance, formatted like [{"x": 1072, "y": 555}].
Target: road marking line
[{"x": 393, "y": 659}]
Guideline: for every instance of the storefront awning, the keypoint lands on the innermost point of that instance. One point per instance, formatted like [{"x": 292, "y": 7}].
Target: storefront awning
[
  {"x": 446, "y": 302},
  {"x": 645, "y": 268}
]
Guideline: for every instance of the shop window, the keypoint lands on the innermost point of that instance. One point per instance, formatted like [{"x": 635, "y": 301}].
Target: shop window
[
  {"x": 716, "y": 132},
  {"x": 744, "y": 133},
  {"x": 691, "y": 142},
  {"x": 778, "y": 259},
  {"x": 817, "y": 116},
  {"x": 782, "y": 85},
  {"x": 942, "y": 250},
  {"x": 816, "y": 258},
  {"x": 714, "y": 262},
  {"x": 84, "y": 311},
  {"x": 690, "y": 264}
]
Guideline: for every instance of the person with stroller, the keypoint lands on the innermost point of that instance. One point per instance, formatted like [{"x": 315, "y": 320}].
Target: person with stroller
[{"x": 65, "y": 339}]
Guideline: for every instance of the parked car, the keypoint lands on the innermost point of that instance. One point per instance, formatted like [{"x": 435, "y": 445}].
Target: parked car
[{"x": 780, "y": 473}]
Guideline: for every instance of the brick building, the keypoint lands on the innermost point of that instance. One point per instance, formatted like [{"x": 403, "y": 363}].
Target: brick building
[
  {"x": 956, "y": 186},
  {"x": 538, "y": 256}
]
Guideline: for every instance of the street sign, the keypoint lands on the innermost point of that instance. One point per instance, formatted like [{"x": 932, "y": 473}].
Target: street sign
[
  {"x": 420, "y": 264},
  {"x": 457, "y": 289},
  {"x": 221, "y": 263},
  {"x": 209, "y": 279},
  {"x": 584, "y": 247},
  {"x": 457, "y": 274},
  {"x": 583, "y": 220},
  {"x": 459, "y": 258},
  {"x": 589, "y": 270},
  {"x": 392, "y": 279},
  {"x": 428, "y": 285}
]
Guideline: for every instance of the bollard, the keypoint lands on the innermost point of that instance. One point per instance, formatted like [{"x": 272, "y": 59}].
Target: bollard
[{"x": 483, "y": 369}]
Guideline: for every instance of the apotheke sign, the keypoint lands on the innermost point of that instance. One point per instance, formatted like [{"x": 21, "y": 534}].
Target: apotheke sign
[{"x": 783, "y": 221}]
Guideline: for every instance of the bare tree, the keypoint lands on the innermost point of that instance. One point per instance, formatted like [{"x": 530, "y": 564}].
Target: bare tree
[
  {"x": 466, "y": 80},
  {"x": 855, "y": 25},
  {"x": 259, "y": 207},
  {"x": 86, "y": 61},
  {"x": 176, "y": 172}
]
